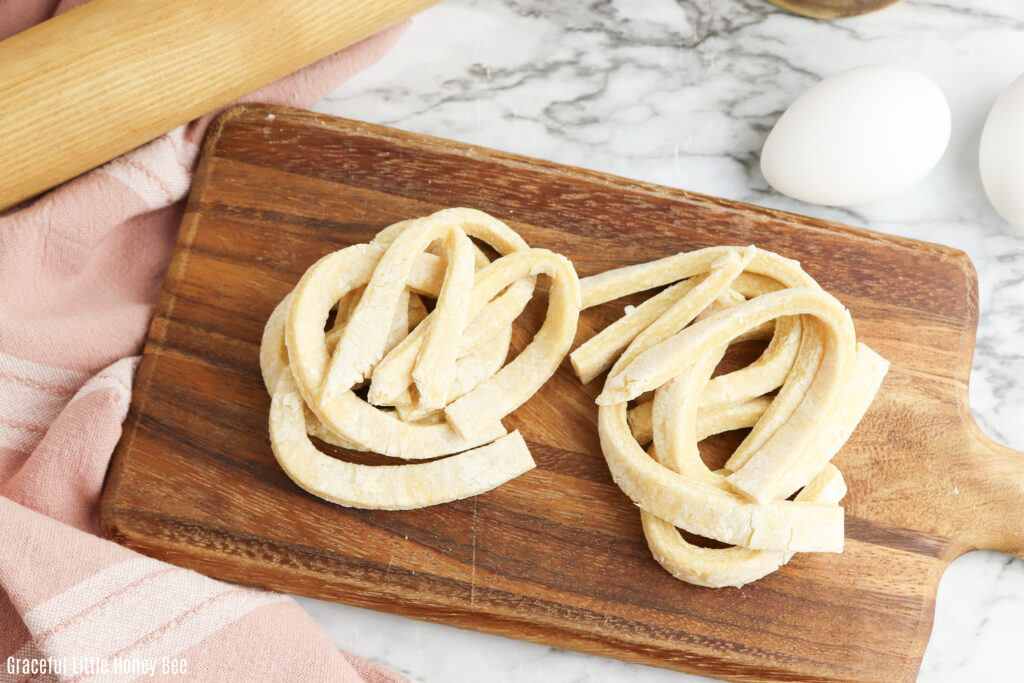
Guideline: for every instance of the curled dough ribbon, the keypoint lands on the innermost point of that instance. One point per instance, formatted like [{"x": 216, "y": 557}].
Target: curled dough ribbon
[
  {"x": 662, "y": 354},
  {"x": 438, "y": 381}
]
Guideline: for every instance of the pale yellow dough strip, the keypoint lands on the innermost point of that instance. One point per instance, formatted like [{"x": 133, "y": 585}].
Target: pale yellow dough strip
[
  {"x": 659, "y": 363},
  {"x": 362, "y": 343},
  {"x": 704, "y": 509},
  {"x": 347, "y": 415},
  {"x": 734, "y": 566},
  {"x": 826, "y": 383},
  {"x": 674, "y": 420},
  {"x": 711, "y": 419},
  {"x": 445, "y": 360},
  {"x": 435, "y": 364},
  {"x": 818, "y": 405},
  {"x": 394, "y": 374},
  {"x": 386, "y": 487},
  {"x": 274, "y": 364},
  {"x": 485, "y": 360},
  {"x": 599, "y": 352},
  {"x": 775, "y": 471},
  {"x": 621, "y": 282},
  {"x": 403, "y": 245},
  {"x": 511, "y": 386},
  {"x": 803, "y": 370},
  {"x": 681, "y": 313}
]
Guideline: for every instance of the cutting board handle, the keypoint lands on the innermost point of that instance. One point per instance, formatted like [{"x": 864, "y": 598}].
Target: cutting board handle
[{"x": 991, "y": 489}]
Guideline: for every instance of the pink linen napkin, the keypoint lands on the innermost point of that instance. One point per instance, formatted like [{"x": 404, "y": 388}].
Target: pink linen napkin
[{"x": 80, "y": 270}]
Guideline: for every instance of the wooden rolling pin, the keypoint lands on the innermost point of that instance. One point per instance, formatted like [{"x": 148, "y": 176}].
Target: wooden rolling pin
[{"x": 95, "y": 82}]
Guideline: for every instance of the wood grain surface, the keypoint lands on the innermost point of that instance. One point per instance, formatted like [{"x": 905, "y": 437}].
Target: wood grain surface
[{"x": 556, "y": 556}]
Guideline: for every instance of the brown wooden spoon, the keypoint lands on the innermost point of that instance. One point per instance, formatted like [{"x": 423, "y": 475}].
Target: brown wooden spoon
[{"x": 833, "y": 9}]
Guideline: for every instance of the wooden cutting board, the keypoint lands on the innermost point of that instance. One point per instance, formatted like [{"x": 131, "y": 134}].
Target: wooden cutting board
[{"x": 556, "y": 556}]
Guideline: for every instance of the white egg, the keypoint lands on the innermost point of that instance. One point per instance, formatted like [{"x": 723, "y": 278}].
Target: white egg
[
  {"x": 859, "y": 136},
  {"x": 1001, "y": 155}
]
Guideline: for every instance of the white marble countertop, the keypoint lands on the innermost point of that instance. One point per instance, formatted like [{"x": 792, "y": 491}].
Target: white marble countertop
[{"x": 683, "y": 93}]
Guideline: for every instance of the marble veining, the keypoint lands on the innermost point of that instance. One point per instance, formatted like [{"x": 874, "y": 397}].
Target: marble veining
[{"x": 683, "y": 93}]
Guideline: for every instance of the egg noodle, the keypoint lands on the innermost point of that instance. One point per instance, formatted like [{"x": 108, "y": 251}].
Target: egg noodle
[
  {"x": 438, "y": 382},
  {"x": 661, "y": 355}
]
